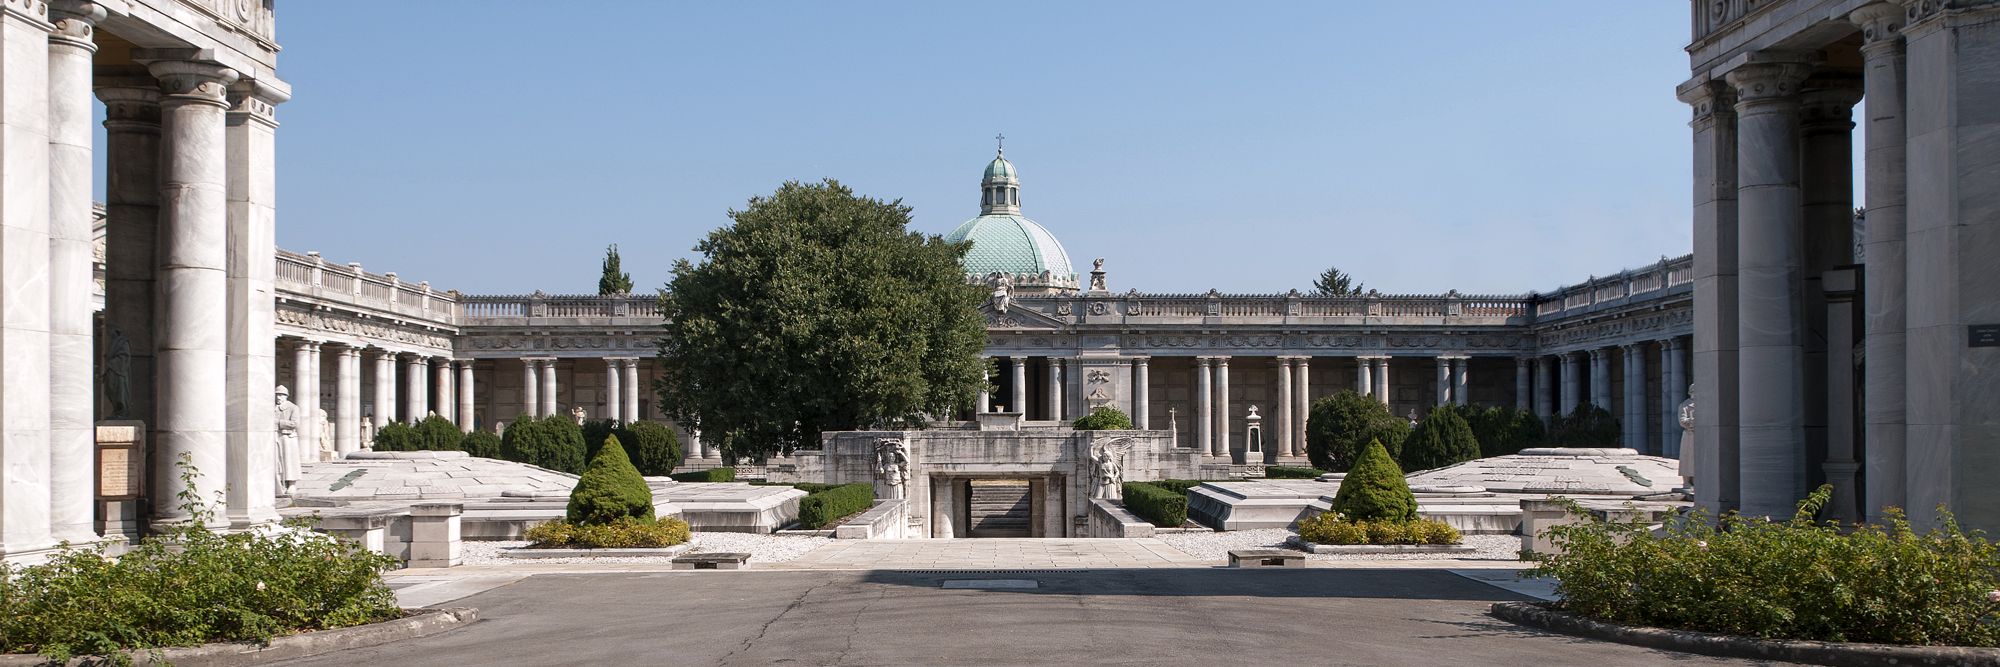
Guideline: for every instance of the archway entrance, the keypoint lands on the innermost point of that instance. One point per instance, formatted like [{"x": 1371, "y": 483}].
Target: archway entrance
[{"x": 1000, "y": 508}]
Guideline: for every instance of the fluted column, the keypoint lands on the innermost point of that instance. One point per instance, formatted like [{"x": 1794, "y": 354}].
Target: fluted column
[
  {"x": 548, "y": 393},
  {"x": 1522, "y": 392},
  {"x": 1142, "y": 393},
  {"x": 1600, "y": 378},
  {"x": 416, "y": 370},
  {"x": 1382, "y": 379},
  {"x": 72, "y": 436},
  {"x": 613, "y": 391},
  {"x": 1018, "y": 401},
  {"x": 1302, "y": 405},
  {"x": 385, "y": 389},
  {"x": 1443, "y": 381},
  {"x": 1545, "y": 387},
  {"x": 1055, "y": 393},
  {"x": 1222, "y": 444},
  {"x": 1673, "y": 390},
  {"x": 630, "y": 368},
  {"x": 192, "y": 345},
  {"x": 467, "y": 394},
  {"x": 1284, "y": 422},
  {"x": 1769, "y": 261},
  {"x": 446, "y": 401},
  {"x": 1461, "y": 388},
  {"x": 347, "y": 413},
  {"x": 1715, "y": 289},
  {"x": 1886, "y": 279},
  {"x": 1204, "y": 400},
  {"x": 1635, "y": 399},
  {"x": 531, "y": 385}
]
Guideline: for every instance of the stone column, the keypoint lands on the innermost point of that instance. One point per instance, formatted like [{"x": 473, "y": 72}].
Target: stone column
[
  {"x": 1222, "y": 445},
  {"x": 548, "y": 393},
  {"x": 944, "y": 506},
  {"x": 531, "y": 384},
  {"x": 1461, "y": 384},
  {"x": 466, "y": 393},
  {"x": 1018, "y": 401},
  {"x": 1055, "y": 397},
  {"x": 1600, "y": 377},
  {"x": 613, "y": 392},
  {"x": 1302, "y": 397},
  {"x": 1142, "y": 393},
  {"x": 446, "y": 401},
  {"x": 252, "y": 240},
  {"x": 1768, "y": 286},
  {"x": 1204, "y": 400},
  {"x": 1635, "y": 399},
  {"x": 1545, "y": 387},
  {"x": 131, "y": 207},
  {"x": 1364, "y": 382},
  {"x": 1826, "y": 188},
  {"x": 1884, "y": 381},
  {"x": 1673, "y": 390},
  {"x": 1382, "y": 379},
  {"x": 1284, "y": 421},
  {"x": 72, "y": 418},
  {"x": 26, "y": 493},
  {"x": 1715, "y": 304},
  {"x": 985, "y": 401},
  {"x": 416, "y": 399},
  {"x": 385, "y": 389},
  {"x": 192, "y": 346},
  {"x": 630, "y": 367},
  {"x": 1522, "y": 391},
  {"x": 305, "y": 394},
  {"x": 1571, "y": 381},
  {"x": 1443, "y": 381},
  {"x": 347, "y": 407}
]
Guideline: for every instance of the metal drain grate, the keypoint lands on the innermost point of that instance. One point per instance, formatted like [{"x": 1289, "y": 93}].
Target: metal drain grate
[{"x": 991, "y": 584}]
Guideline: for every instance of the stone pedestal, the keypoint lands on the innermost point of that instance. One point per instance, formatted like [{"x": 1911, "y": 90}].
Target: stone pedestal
[
  {"x": 120, "y": 473},
  {"x": 434, "y": 534}
]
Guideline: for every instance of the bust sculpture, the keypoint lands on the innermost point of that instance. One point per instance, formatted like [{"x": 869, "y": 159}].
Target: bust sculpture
[
  {"x": 286, "y": 421},
  {"x": 1687, "y": 439},
  {"x": 892, "y": 468}
]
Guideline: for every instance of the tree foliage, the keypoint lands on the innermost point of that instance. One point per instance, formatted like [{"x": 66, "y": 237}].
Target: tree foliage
[
  {"x": 555, "y": 443},
  {"x": 610, "y": 489},
  {"x": 1502, "y": 430},
  {"x": 1335, "y": 282},
  {"x": 1586, "y": 426},
  {"x": 1104, "y": 418},
  {"x": 1375, "y": 489},
  {"x": 1340, "y": 426},
  {"x": 818, "y": 310},
  {"x": 615, "y": 280},
  {"x": 1441, "y": 439}
]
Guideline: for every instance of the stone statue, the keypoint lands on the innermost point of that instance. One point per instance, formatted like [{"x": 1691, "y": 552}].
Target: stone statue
[
  {"x": 1000, "y": 298},
  {"x": 326, "y": 448},
  {"x": 892, "y": 467},
  {"x": 118, "y": 374},
  {"x": 1107, "y": 470},
  {"x": 1097, "y": 275},
  {"x": 367, "y": 432},
  {"x": 1413, "y": 417},
  {"x": 577, "y": 413},
  {"x": 286, "y": 417},
  {"x": 1687, "y": 439}
]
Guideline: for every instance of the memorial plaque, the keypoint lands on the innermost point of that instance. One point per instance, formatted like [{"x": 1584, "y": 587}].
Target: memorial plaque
[
  {"x": 1982, "y": 335},
  {"x": 118, "y": 473}
]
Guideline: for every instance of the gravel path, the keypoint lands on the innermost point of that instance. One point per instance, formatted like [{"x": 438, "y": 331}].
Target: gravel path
[
  {"x": 1216, "y": 546},
  {"x": 762, "y": 549}
]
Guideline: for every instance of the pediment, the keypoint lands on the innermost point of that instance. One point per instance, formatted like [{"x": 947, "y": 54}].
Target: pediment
[{"x": 1018, "y": 319}]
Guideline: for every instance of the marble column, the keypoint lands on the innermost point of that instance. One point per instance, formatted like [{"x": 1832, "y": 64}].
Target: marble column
[
  {"x": 1364, "y": 382},
  {"x": 613, "y": 392},
  {"x": 193, "y": 342},
  {"x": 1284, "y": 422},
  {"x": 548, "y": 392},
  {"x": 72, "y": 399},
  {"x": 985, "y": 400},
  {"x": 1715, "y": 285},
  {"x": 1600, "y": 378},
  {"x": 1884, "y": 381},
  {"x": 1545, "y": 387},
  {"x": 1142, "y": 393},
  {"x": 944, "y": 506},
  {"x": 1443, "y": 381},
  {"x": 1055, "y": 394},
  {"x": 252, "y": 239},
  {"x": 1461, "y": 383},
  {"x": 1522, "y": 390},
  {"x": 1826, "y": 189},
  {"x": 1222, "y": 444},
  {"x": 416, "y": 397},
  {"x": 26, "y": 492},
  {"x": 467, "y": 393},
  {"x": 131, "y": 208},
  {"x": 446, "y": 402},
  {"x": 1572, "y": 384},
  {"x": 1769, "y": 348},
  {"x": 1302, "y": 408},
  {"x": 1018, "y": 400},
  {"x": 630, "y": 367},
  {"x": 1635, "y": 399},
  {"x": 347, "y": 402},
  {"x": 305, "y": 394},
  {"x": 1204, "y": 400},
  {"x": 385, "y": 390},
  {"x": 1382, "y": 379},
  {"x": 1673, "y": 390},
  {"x": 531, "y": 384}
]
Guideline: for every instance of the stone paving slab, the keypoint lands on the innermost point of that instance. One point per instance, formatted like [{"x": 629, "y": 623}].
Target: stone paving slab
[{"x": 988, "y": 554}]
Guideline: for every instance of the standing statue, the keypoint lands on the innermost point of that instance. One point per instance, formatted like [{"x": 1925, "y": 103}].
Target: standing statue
[
  {"x": 326, "y": 448},
  {"x": 1413, "y": 417},
  {"x": 892, "y": 467},
  {"x": 118, "y": 374},
  {"x": 367, "y": 431},
  {"x": 1107, "y": 469},
  {"x": 287, "y": 422},
  {"x": 1097, "y": 275},
  {"x": 1687, "y": 439},
  {"x": 577, "y": 413}
]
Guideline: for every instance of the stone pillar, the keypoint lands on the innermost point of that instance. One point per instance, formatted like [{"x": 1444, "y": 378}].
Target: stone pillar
[
  {"x": 613, "y": 392},
  {"x": 1018, "y": 401},
  {"x": 1715, "y": 298},
  {"x": 1826, "y": 188},
  {"x": 72, "y": 418},
  {"x": 1886, "y": 279},
  {"x": 531, "y": 383},
  {"x": 1222, "y": 445},
  {"x": 1055, "y": 397},
  {"x": 192, "y": 345},
  {"x": 385, "y": 390},
  {"x": 1600, "y": 378},
  {"x": 466, "y": 393},
  {"x": 1461, "y": 387},
  {"x": 1443, "y": 381},
  {"x": 347, "y": 408},
  {"x": 1769, "y": 349},
  {"x": 1364, "y": 382},
  {"x": 1284, "y": 421},
  {"x": 305, "y": 394},
  {"x": 1545, "y": 387},
  {"x": 1382, "y": 379},
  {"x": 944, "y": 506},
  {"x": 1142, "y": 393},
  {"x": 446, "y": 401},
  {"x": 1673, "y": 390},
  {"x": 131, "y": 207},
  {"x": 416, "y": 399},
  {"x": 1571, "y": 381},
  {"x": 1522, "y": 391},
  {"x": 985, "y": 401},
  {"x": 253, "y": 270},
  {"x": 1302, "y": 397},
  {"x": 1635, "y": 399},
  {"x": 1204, "y": 400},
  {"x": 26, "y": 493},
  {"x": 548, "y": 392},
  {"x": 630, "y": 367},
  {"x": 1840, "y": 467}
]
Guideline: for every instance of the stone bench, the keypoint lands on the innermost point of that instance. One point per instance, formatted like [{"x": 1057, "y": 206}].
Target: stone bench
[
  {"x": 711, "y": 561},
  {"x": 1266, "y": 558}
]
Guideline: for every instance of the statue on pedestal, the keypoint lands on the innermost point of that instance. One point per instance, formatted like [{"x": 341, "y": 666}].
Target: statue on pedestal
[
  {"x": 577, "y": 413},
  {"x": 1687, "y": 439},
  {"x": 286, "y": 417},
  {"x": 892, "y": 467},
  {"x": 326, "y": 448},
  {"x": 1107, "y": 469},
  {"x": 118, "y": 373},
  {"x": 367, "y": 431}
]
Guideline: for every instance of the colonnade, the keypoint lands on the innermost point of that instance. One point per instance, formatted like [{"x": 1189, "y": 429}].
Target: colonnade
[
  {"x": 426, "y": 385},
  {"x": 1566, "y": 381}
]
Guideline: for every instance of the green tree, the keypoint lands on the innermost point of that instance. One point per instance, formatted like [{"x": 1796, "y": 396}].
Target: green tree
[
  {"x": 610, "y": 489},
  {"x": 1586, "y": 426},
  {"x": 1502, "y": 430},
  {"x": 1375, "y": 489},
  {"x": 655, "y": 449},
  {"x": 555, "y": 443},
  {"x": 1335, "y": 282},
  {"x": 437, "y": 434},
  {"x": 614, "y": 280},
  {"x": 1340, "y": 426},
  {"x": 1441, "y": 439},
  {"x": 818, "y": 310},
  {"x": 1105, "y": 418}
]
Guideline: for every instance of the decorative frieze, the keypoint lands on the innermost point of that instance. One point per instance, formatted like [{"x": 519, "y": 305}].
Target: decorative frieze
[{"x": 334, "y": 324}]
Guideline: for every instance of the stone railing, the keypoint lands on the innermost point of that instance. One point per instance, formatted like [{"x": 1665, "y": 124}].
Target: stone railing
[
  {"x": 483, "y": 309},
  {"x": 311, "y": 275},
  {"x": 1659, "y": 280},
  {"x": 1292, "y": 307}
]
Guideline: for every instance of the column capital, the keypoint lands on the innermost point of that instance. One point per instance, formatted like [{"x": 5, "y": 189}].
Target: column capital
[
  {"x": 32, "y": 11},
  {"x": 1881, "y": 24},
  {"x": 1709, "y": 99},
  {"x": 75, "y": 22},
  {"x": 1142, "y": 361},
  {"x": 253, "y": 99},
  {"x": 185, "y": 80},
  {"x": 129, "y": 101},
  {"x": 1773, "y": 80}
]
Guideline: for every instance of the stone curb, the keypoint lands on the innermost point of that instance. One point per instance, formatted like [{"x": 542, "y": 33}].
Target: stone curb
[
  {"x": 1838, "y": 654},
  {"x": 529, "y": 553},
  {"x": 423, "y": 623},
  {"x": 1296, "y": 543}
]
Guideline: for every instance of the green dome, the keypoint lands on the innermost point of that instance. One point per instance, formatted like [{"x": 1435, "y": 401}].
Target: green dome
[
  {"x": 999, "y": 168},
  {"x": 1011, "y": 244}
]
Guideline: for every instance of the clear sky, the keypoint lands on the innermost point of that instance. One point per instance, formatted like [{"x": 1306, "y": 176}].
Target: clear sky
[{"x": 497, "y": 146}]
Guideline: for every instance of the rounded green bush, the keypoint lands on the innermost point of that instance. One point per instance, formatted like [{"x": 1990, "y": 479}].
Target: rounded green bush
[
  {"x": 481, "y": 444},
  {"x": 1340, "y": 426},
  {"x": 554, "y": 443},
  {"x": 1441, "y": 439},
  {"x": 1375, "y": 490},
  {"x": 610, "y": 489},
  {"x": 1105, "y": 418},
  {"x": 395, "y": 437},
  {"x": 654, "y": 448},
  {"x": 437, "y": 434},
  {"x": 1503, "y": 430},
  {"x": 1586, "y": 426}
]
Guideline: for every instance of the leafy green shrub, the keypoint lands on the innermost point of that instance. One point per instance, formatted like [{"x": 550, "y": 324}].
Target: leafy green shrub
[
  {"x": 1431, "y": 531},
  {"x": 395, "y": 437},
  {"x": 624, "y": 533},
  {"x": 594, "y": 432},
  {"x": 1441, "y": 439},
  {"x": 1375, "y": 490},
  {"x": 1797, "y": 579},
  {"x": 1503, "y": 430},
  {"x": 610, "y": 489},
  {"x": 709, "y": 475},
  {"x": 437, "y": 434},
  {"x": 1290, "y": 472},
  {"x": 1180, "y": 486},
  {"x": 1340, "y": 426},
  {"x": 1330, "y": 528},
  {"x": 187, "y": 586},
  {"x": 481, "y": 444},
  {"x": 1586, "y": 426},
  {"x": 554, "y": 443},
  {"x": 1156, "y": 504},
  {"x": 1105, "y": 418},
  {"x": 824, "y": 506},
  {"x": 654, "y": 448}
]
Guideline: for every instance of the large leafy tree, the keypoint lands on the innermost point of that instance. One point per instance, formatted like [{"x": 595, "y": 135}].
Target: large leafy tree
[
  {"x": 818, "y": 310},
  {"x": 1339, "y": 428},
  {"x": 1335, "y": 282},
  {"x": 615, "y": 280}
]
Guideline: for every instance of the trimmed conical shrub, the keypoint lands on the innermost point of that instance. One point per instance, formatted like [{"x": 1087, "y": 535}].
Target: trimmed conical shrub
[
  {"x": 1441, "y": 439},
  {"x": 1374, "y": 489},
  {"x": 610, "y": 489}
]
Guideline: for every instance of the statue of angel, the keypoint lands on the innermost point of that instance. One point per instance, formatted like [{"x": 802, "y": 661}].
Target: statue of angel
[{"x": 1107, "y": 470}]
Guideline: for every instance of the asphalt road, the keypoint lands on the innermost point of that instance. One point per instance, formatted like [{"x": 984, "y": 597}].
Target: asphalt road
[{"x": 1113, "y": 617}]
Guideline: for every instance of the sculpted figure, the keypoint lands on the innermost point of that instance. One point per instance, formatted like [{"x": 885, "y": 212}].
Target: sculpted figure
[
  {"x": 1107, "y": 469},
  {"x": 326, "y": 448},
  {"x": 1097, "y": 275},
  {"x": 577, "y": 413},
  {"x": 1000, "y": 299},
  {"x": 118, "y": 374},
  {"x": 1687, "y": 439},
  {"x": 287, "y": 422},
  {"x": 367, "y": 432},
  {"x": 892, "y": 467}
]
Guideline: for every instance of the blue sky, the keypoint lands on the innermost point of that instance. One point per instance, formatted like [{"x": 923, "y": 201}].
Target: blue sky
[{"x": 496, "y": 146}]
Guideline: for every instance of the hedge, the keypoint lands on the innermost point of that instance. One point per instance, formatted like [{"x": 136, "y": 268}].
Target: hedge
[
  {"x": 709, "y": 475},
  {"x": 1157, "y": 504},
  {"x": 820, "y": 508},
  {"x": 1291, "y": 472},
  {"x": 1180, "y": 486}
]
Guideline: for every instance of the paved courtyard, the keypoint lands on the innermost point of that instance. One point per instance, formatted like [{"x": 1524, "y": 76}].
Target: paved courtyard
[
  {"x": 886, "y": 617},
  {"x": 994, "y": 554}
]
